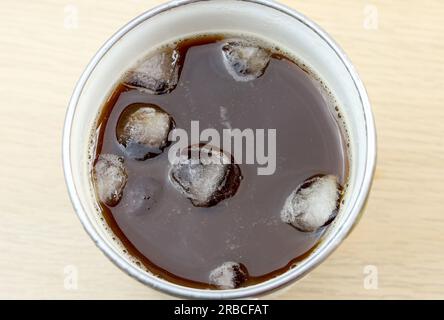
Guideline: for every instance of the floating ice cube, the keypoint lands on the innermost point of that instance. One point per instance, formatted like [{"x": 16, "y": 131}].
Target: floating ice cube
[
  {"x": 143, "y": 130},
  {"x": 313, "y": 204},
  {"x": 229, "y": 275},
  {"x": 245, "y": 61},
  {"x": 141, "y": 195},
  {"x": 205, "y": 181},
  {"x": 110, "y": 178},
  {"x": 157, "y": 74}
]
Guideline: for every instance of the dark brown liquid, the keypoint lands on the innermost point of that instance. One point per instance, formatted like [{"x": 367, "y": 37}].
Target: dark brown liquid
[{"x": 183, "y": 243}]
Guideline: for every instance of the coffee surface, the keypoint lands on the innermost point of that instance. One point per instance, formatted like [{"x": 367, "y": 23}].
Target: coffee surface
[{"x": 184, "y": 243}]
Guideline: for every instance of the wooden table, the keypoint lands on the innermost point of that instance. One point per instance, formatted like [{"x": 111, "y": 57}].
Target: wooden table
[{"x": 398, "y": 48}]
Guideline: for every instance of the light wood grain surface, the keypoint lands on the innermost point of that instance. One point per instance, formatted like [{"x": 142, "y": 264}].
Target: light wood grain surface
[{"x": 44, "y": 46}]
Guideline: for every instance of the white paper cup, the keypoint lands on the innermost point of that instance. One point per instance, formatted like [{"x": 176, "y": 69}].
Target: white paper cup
[{"x": 267, "y": 20}]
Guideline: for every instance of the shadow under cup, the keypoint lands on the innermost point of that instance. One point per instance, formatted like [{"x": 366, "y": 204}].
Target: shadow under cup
[{"x": 176, "y": 20}]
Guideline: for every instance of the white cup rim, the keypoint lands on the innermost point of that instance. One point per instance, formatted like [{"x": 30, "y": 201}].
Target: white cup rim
[{"x": 270, "y": 285}]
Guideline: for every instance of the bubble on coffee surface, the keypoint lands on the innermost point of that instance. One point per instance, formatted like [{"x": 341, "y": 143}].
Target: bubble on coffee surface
[
  {"x": 141, "y": 195},
  {"x": 205, "y": 175},
  {"x": 142, "y": 129},
  {"x": 313, "y": 204},
  {"x": 244, "y": 60},
  {"x": 157, "y": 74},
  {"x": 110, "y": 178},
  {"x": 229, "y": 275}
]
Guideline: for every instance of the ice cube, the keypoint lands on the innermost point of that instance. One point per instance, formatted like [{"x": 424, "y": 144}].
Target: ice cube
[
  {"x": 110, "y": 177},
  {"x": 229, "y": 275},
  {"x": 205, "y": 180},
  {"x": 142, "y": 129},
  {"x": 156, "y": 74},
  {"x": 313, "y": 204},
  {"x": 141, "y": 194},
  {"x": 245, "y": 61}
]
